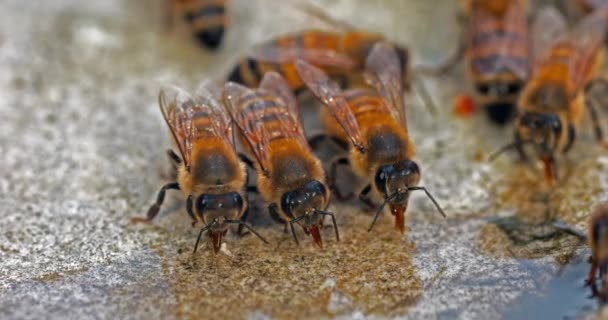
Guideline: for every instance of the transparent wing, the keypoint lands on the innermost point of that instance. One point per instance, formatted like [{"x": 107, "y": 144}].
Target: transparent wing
[
  {"x": 176, "y": 105},
  {"x": 383, "y": 72},
  {"x": 275, "y": 84},
  {"x": 330, "y": 95},
  {"x": 208, "y": 99},
  {"x": 548, "y": 27}
]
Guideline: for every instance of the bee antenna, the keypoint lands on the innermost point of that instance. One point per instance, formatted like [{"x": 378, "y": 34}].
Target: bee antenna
[
  {"x": 333, "y": 220},
  {"x": 428, "y": 194},
  {"x": 507, "y": 147},
  {"x": 386, "y": 200},
  {"x": 250, "y": 228},
  {"x": 199, "y": 236}
]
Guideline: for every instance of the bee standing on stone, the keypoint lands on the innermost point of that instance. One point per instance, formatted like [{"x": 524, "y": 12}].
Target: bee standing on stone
[
  {"x": 373, "y": 124},
  {"x": 553, "y": 101},
  {"x": 289, "y": 176},
  {"x": 210, "y": 172},
  {"x": 495, "y": 46},
  {"x": 208, "y": 19},
  {"x": 340, "y": 53}
]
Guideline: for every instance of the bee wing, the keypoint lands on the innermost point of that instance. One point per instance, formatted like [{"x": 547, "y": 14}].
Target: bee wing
[
  {"x": 587, "y": 39},
  {"x": 236, "y": 99},
  {"x": 548, "y": 27},
  {"x": 383, "y": 72},
  {"x": 275, "y": 84},
  {"x": 504, "y": 45},
  {"x": 272, "y": 53},
  {"x": 176, "y": 106},
  {"x": 331, "y": 96},
  {"x": 208, "y": 100}
]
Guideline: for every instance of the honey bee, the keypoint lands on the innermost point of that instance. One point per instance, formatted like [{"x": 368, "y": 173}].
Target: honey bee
[
  {"x": 289, "y": 176},
  {"x": 552, "y": 103},
  {"x": 373, "y": 124},
  {"x": 207, "y": 19},
  {"x": 209, "y": 173},
  {"x": 495, "y": 46},
  {"x": 598, "y": 238}
]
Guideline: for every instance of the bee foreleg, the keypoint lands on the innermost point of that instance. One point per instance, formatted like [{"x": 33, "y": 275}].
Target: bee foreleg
[
  {"x": 333, "y": 172},
  {"x": 155, "y": 208},
  {"x": 245, "y": 159},
  {"x": 592, "y": 271},
  {"x": 173, "y": 157},
  {"x": 571, "y": 138},
  {"x": 239, "y": 230},
  {"x": 364, "y": 197}
]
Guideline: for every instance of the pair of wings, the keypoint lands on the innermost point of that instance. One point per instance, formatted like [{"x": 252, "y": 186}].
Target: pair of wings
[
  {"x": 586, "y": 39},
  {"x": 485, "y": 18},
  {"x": 382, "y": 71},
  {"x": 193, "y": 117},
  {"x": 241, "y": 102}
]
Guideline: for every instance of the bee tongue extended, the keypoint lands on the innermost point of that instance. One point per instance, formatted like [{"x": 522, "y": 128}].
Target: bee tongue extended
[
  {"x": 398, "y": 210},
  {"x": 315, "y": 232},
  {"x": 216, "y": 238},
  {"x": 550, "y": 173}
]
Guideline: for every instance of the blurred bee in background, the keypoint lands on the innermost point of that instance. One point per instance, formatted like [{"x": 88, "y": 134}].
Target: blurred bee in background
[
  {"x": 552, "y": 103},
  {"x": 289, "y": 176},
  {"x": 210, "y": 173},
  {"x": 208, "y": 19},
  {"x": 495, "y": 46},
  {"x": 588, "y": 6},
  {"x": 373, "y": 124},
  {"x": 598, "y": 240}
]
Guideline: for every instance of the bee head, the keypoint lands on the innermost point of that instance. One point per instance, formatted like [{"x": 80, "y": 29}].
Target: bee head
[
  {"x": 305, "y": 205},
  {"x": 500, "y": 97},
  {"x": 542, "y": 130},
  {"x": 394, "y": 180},
  {"x": 217, "y": 209}
]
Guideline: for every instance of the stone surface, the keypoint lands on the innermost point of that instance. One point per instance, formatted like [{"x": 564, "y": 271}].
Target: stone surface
[{"x": 82, "y": 151}]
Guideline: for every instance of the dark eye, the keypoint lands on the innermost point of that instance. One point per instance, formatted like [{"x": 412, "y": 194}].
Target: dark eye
[{"x": 483, "y": 88}]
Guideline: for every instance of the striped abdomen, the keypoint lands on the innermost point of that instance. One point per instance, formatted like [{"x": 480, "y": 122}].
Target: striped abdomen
[
  {"x": 208, "y": 20},
  {"x": 364, "y": 102},
  {"x": 249, "y": 70}
]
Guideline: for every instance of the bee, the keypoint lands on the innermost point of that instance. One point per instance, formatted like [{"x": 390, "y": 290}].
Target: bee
[
  {"x": 338, "y": 54},
  {"x": 210, "y": 173},
  {"x": 495, "y": 46},
  {"x": 373, "y": 124},
  {"x": 553, "y": 101},
  {"x": 208, "y": 19},
  {"x": 598, "y": 238},
  {"x": 289, "y": 176}
]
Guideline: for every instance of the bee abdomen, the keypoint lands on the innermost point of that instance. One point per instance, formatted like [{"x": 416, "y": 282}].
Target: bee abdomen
[{"x": 208, "y": 23}]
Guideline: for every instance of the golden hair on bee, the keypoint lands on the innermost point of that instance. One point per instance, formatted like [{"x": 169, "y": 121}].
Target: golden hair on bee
[
  {"x": 210, "y": 173},
  {"x": 372, "y": 125},
  {"x": 290, "y": 178}
]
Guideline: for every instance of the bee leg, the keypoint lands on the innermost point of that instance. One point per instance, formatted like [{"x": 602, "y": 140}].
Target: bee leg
[
  {"x": 246, "y": 161},
  {"x": 189, "y": 209},
  {"x": 592, "y": 271},
  {"x": 173, "y": 157},
  {"x": 332, "y": 179},
  {"x": 571, "y": 138},
  {"x": 364, "y": 197},
  {"x": 239, "y": 230},
  {"x": 155, "y": 208},
  {"x": 520, "y": 148},
  {"x": 591, "y": 106}
]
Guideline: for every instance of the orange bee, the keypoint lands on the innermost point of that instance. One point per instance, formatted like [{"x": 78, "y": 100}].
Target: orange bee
[
  {"x": 289, "y": 176},
  {"x": 552, "y": 103},
  {"x": 210, "y": 173},
  {"x": 373, "y": 124},
  {"x": 208, "y": 19},
  {"x": 495, "y": 46}
]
